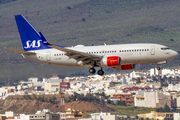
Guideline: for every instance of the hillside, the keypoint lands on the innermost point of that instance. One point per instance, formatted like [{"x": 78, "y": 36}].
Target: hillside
[
  {"x": 21, "y": 105},
  {"x": 104, "y": 21}
]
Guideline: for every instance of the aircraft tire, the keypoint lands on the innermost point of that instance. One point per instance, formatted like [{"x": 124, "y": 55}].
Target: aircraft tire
[
  {"x": 158, "y": 68},
  {"x": 92, "y": 70},
  {"x": 100, "y": 72}
]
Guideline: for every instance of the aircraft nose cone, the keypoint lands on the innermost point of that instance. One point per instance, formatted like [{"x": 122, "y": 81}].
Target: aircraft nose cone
[{"x": 174, "y": 54}]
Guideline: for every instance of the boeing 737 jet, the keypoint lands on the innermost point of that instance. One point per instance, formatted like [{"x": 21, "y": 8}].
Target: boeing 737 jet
[{"x": 119, "y": 57}]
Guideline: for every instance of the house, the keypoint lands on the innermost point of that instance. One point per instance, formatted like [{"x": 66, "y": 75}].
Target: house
[{"x": 128, "y": 98}]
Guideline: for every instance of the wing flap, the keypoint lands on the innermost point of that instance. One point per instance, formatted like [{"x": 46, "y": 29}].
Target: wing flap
[
  {"x": 20, "y": 51},
  {"x": 75, "y": 54}
]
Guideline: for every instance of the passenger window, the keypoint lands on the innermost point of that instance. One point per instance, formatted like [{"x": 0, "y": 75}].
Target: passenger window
[
  {"x": 99, "y": 52},
  {"x": 120, "y": 51},
  {"x": 124, "y": 50}
]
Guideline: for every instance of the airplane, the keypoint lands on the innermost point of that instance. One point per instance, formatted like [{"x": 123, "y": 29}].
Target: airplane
[{"x": 119, "y": 56}]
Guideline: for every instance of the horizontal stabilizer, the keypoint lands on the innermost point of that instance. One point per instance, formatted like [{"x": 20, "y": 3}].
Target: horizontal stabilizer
[{"x": 21, "y": 52}]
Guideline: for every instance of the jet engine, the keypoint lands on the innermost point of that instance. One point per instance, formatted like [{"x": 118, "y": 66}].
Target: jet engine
[
  {"x": 110, "y": 61},
  {"x": 126, "y": 67}
]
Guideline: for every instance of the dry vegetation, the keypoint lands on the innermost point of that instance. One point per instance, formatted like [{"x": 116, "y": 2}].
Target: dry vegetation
[{"x": 67, "y": 23}]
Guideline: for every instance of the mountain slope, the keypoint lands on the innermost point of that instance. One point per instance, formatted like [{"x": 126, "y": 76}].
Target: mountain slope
[
  {"x": 21, "y": 105},
  {"x": 87, "y": 22}
]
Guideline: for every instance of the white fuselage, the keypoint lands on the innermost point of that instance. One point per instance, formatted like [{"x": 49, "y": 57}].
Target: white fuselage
[{"x": 129, "y": 54}]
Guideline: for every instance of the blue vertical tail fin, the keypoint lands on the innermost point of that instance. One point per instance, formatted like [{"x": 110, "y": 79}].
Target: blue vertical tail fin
[{"x": 31, "y": 40}]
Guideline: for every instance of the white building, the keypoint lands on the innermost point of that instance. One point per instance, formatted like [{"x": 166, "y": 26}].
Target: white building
[
  {"x": 103, "y": 116},
  {"x": 176, "y": 116},
  {"x": 154, "y": 72},
  {"x": 178, "y": 101},
  {"x": 175, "y": 87},
  {"x": 152, "y": 99},
  {"x": 32, "y": 79}
]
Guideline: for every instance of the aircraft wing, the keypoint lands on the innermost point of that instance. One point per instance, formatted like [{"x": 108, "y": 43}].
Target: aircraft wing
[
  {"x": 77, "y": 55},
  {"x": 21, "y": 52}
]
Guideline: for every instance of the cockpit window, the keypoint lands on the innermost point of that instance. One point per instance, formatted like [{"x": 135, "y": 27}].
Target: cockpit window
[{"x": 165, "y": 48}]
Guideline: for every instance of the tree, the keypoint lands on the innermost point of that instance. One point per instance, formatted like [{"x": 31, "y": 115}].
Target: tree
[
  {"x": 29, "y": 97},
  {"x": 154, "y": 78},
  {"x": 34, "y": 96},
  {"x": 159, "y": 109},
  {"x": 83, "y": 19},
  {"x": 68, "y": 7},
  {"x": 118, "y": 102},
  {"x": 108, "y": 101},
  {"x": 138, "y": 80},
  {"x": 166, "y": 108}
]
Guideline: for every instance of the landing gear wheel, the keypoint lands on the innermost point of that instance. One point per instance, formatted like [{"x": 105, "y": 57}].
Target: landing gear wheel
[
  {"x": 158, "y": 68},
  {"x": 100, "y": 72},
  {"x": 92, "y": 70}
]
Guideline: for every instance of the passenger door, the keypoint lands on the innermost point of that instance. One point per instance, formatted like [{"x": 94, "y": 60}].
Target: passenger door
[
  {"x": 152, "y": 50},
  {"x": 48, "y": 56}
]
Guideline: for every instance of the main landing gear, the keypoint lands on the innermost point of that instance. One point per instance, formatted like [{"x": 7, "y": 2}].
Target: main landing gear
[
  {"x": 92, "y": 71},
  {"x": 100, "y": 72}
]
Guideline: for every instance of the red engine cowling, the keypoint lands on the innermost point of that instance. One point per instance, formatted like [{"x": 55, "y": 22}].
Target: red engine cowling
[
  {"x": 111, "y": 61},
  {"x": 125, "y": 67}
]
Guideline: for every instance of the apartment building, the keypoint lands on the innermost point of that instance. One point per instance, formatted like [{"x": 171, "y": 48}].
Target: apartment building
[
  {"x": 156, "y": 115},
  {"x": 45, "y": 114},
  {"x": 125, "y": 97},
  {"x": 152, "y": 99}
]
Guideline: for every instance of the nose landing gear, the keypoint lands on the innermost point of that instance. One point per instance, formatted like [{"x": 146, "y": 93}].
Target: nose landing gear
[{"x": 158, "y": 68}]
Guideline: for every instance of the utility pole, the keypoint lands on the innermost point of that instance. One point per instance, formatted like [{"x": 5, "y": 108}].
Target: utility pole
[{"x": 62, "y": 101}]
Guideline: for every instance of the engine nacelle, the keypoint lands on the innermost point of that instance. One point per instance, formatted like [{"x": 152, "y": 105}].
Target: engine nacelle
[
  {"x": 125, "y": 67},
  {"x": 111, "y": 61}
]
